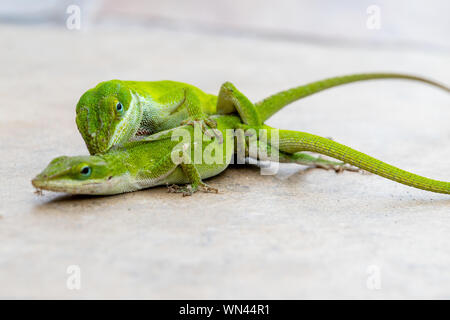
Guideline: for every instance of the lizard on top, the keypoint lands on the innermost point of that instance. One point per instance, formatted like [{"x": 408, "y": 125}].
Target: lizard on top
[{"x": 116, "y": 111}]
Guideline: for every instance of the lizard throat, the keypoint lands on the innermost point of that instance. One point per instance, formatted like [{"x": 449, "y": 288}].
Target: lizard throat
[{"x": 128, "y": 126}]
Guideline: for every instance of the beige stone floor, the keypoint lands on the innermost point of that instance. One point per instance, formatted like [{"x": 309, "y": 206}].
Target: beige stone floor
[{"x": 298, "y": 234}]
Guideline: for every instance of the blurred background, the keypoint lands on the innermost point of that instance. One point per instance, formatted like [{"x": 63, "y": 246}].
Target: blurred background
[
  {"x": 413, "y": 24},
  {"x": 298, "y": 234}
]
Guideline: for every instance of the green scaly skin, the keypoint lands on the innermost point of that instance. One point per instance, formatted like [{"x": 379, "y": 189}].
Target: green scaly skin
[
  {"x": 151, "y": 107},
  {"x": 147, "y": 107},
  {"x": 274, "y": 103},
  {"x": 293, "y": 141},
  {"x": 138, "y": 165}
]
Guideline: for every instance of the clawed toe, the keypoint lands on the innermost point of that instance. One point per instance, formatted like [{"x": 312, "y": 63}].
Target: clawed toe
[
  {"x": 208, "y": 127},
  {"x": 208, "y": 189},
  {"x": 211, "y": 123},
  {"x": 189, "y": 190},
  {"x": 185, "y": 190},
  {"x": 338, "y": 168}
]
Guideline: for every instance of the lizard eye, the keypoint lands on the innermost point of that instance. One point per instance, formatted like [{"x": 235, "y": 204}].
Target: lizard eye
[
  {"x": 86, "y": 171},
  {"x": 119, "y": 107}
]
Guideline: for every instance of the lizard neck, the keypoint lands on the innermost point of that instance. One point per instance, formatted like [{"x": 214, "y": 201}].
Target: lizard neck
[
  {"x": 128, "y": 125},
  {"x": 152, "y": 115}
]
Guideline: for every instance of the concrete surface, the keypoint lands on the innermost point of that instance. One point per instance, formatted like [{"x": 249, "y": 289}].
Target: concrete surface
[{"x": 298, "y": 234}]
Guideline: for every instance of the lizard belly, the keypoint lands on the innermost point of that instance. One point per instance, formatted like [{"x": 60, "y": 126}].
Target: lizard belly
[{"x": 177, "y": 176}]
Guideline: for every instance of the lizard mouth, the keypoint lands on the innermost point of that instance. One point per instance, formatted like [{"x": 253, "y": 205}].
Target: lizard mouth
[{"x": 66, "y": 186}]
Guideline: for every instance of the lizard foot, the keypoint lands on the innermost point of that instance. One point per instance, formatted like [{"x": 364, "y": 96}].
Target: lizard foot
[
  {"x": 185, "y": 190},
  {"x": 338, "y": 168},
  {"x": 189, "y": 189},
  {"x": 207, "y": 125},
  {"x": 207, "y": 188}
]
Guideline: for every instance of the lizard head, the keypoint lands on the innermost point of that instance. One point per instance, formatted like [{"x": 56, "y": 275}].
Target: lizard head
[
  {"x": 78, "y": 175},
  {"x": 107, "y": 115}
]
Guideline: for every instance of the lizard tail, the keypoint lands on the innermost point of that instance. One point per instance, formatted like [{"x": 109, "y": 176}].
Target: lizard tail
[
  {"x": 294, "y": 141},
  {"x": 269, "y": 106}
]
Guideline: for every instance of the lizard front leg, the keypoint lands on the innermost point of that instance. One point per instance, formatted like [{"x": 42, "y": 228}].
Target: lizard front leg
[
  {"x": 193, "y": 176},
  {"x": 196, "y": 115},
  {"x": 161, "y": 172},
  {"x": 181, "y": 106},
  {"x": 196, "y": 183}
]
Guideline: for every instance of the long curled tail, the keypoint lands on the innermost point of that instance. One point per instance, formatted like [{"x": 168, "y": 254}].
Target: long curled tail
[
  {"x": 269, "y": 106},
  {"x": 294, "y": 141}
]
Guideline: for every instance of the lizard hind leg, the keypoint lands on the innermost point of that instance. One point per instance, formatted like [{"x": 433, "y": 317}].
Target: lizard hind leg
[
  {"x": 292, "y": 141},
  {"x": 232, "y": 100},
  {"x": 318, "y": 162},
  {"x": 311, "y": 161},
  {"x": 273, "y": 154}
]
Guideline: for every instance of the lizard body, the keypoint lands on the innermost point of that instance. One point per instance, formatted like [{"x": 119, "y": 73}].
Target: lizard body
[
  {"x": 136, "y": 165},
  {"x": 129, "y": 166},
  {"x": 116, "y": 111},
  {"x": 143, "y": 164}
]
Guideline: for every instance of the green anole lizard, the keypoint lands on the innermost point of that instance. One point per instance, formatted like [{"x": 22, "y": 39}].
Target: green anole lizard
[
  {"x": 115, "y": 111},
  {"x": 148, "y": 163}
]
